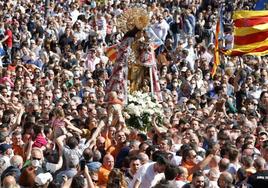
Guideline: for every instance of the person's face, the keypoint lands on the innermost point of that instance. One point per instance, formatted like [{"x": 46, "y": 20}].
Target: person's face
[
  {"x": 224, "y": 87},
  {"x": 100, "y": 143},
  {"x": 121, "y": 137},
  {"x": 265, "y": 125},
  {"x": 192, "y": 156},
  {"x": 194, "y": 139},
  {"x": 83, "y": 112},
  {"x": 41, "y": 90},
  {"x": 153, "y": 20},
  {"x": 46, "y": 104},
  {"x": 14, "y": 100},
  {"x": 163, "y": 145},
  {"x": 49, "y": 135},
  {"x": 35, "y": 99},
  {"x": 264, "y": 99},
  {"x": 160, "y": 19},
  {"x": 250, "y": 140},
  {"x": 18, "y": 85},
  {"x": 108, "y": 163},
  {"x": 12, "y": 119},
  {"x": 211, "y": 132},
  {"x": 164, "y": 70},
  {"x": 51, "y": 76},
  {"x": 29, "y": 95},
  {"x": 199, "y": 182},
  {"x": 249, "y": 80},
  {"x": 262, "y": 138},
  {"x": 48, "y": 96},
  {"x": 57, "y": 93},
  {"x": 135, "y": 165},
  {"x": 27, "y": 80},
  {"x": 17, "y": 139},
  {"x": 225, "y": 79},
  {"x": 221, "y": 182},
  {"x": 160, "y": 168},
  {"x": 95, "y": 179},
  {"x": 36, "y": 155},
  {"x": 112, "y": 131},
  {"x": 143, "y": 147},
  {"x": 249, "y": 151},
  {"x": 4, "y": 93},
  {"x": 163, "y": 85},
  {"x": 93, "y": 113},
  {"x": 86, "y": 93},
  {"x": 195, "y": 125},
  {"x": 92, "y": 97}
]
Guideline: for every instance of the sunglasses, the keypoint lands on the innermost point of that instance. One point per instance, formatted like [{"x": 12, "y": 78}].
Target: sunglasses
[
  {"x": 95, "y": 181},
  {"x": 34, "y": 158},
  {"x": 193, "y": 156}
]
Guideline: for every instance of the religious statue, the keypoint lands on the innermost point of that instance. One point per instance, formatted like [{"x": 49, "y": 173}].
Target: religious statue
[{"x": 135, "y": 60}]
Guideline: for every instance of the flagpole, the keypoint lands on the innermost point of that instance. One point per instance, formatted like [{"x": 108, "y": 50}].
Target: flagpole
[{"x": 151, "y": 80}]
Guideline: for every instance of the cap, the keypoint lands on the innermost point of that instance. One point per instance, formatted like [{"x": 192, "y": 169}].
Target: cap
[
  {"x": 94, "y": 166},
  {"x": 4, "y": 147},
  {"x": 263, "y": 132},
  {"x": 43, "y": 178},
  {"x": 191, "y": 107}
]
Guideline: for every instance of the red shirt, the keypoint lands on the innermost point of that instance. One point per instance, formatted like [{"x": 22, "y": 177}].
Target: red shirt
[{"x": 9, "y": 40}]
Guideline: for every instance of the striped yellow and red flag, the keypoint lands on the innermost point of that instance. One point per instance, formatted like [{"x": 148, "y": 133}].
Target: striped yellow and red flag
[
  {"x": 111, "y": 52},
  {"x": 250, "y": 33},
  {"x": 216, "y": 49}
]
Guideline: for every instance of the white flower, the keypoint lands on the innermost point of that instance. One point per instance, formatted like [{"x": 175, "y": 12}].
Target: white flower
[
  {"x": 131, "y": 108},
  {"x": 141, "y": 103},
  {"x": 149, "y": 111},
  {"x": 138, "y": 111}
]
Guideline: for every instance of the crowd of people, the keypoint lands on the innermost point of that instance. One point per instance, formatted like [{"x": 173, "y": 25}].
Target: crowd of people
[{"x": 59, "y": 125}]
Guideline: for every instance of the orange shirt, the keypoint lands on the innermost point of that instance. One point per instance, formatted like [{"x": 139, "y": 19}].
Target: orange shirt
[
  {"x": 103, "y": 175},
  {"x": 114, "y": 150},
  {"x": 18, "y": 150},
  {"x": 189, "y": 167},
  {"x": 108, "y": 143}
]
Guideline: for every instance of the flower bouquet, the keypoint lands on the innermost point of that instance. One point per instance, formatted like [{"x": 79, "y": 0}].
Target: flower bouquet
[{"x": 140, "y": 109}]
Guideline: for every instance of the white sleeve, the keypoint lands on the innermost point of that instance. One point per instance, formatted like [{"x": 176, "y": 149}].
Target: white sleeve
[{"x": 140, "y": 173}]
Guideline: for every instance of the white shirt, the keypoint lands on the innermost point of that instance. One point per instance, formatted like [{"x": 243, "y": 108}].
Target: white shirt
[
  {"x": 233, "y": 168},
  {"x": 191, "y": 57},
  {"x": 147, "y": 176},
  {"x": 74, "y": 15},
  {"x": 91, "y": 63},
  {"x": 161, "y": 29},
  {"x": 228, "y": 41},
  {"x": 213, "y": 184},
  {"x": 180, "y": 183},
  {"x": 80, "y": 35},
  {"x": 4, "y": 163}
]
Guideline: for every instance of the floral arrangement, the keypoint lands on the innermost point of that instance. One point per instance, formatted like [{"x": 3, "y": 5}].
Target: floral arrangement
[{"x": 140, "y": 109}]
